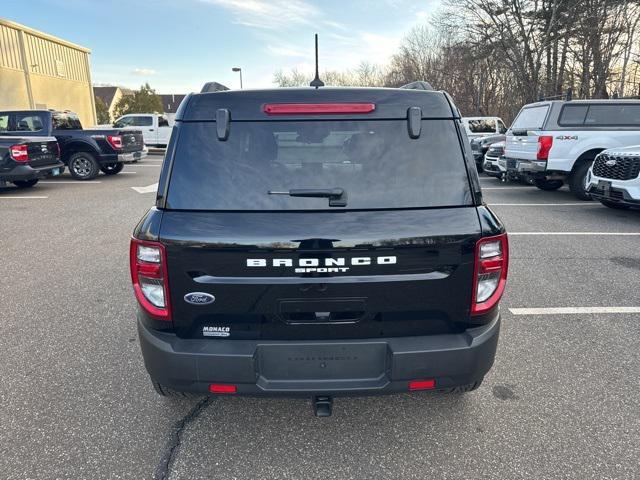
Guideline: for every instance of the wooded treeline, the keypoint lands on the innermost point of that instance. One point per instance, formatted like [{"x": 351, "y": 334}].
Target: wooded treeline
[{"x": 493, "y": 56}]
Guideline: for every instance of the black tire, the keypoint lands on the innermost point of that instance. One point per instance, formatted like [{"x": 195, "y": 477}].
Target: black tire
[
  {"x": 548, "y": 185},
  {"x": 83, "y": 166},
  {"x": 112, "y": 168},
  {"x": 617, "y": 206},
  {"x": 578, "y": 178},
  {"x": 167, "y": 392},
  {"x": 465, "y": 388},
  {"x": 25, "y": 183}
]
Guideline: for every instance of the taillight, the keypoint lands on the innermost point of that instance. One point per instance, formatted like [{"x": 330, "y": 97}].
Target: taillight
[
  {"x": 416, "y": 385},
  {"x": 490, "y": 273},
  {"x": 115, "y": 141},
  {"x": 222, "y": 388},
  {"x": 148, "y": 261},
  {"x": 545, "y": 142},
  {"x": 19, "y": 153},
  {"x": 317, "y": 108}
]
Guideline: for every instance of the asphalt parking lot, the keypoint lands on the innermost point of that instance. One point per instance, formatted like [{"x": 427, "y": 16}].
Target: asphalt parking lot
[{"x": 562, "y": 400}]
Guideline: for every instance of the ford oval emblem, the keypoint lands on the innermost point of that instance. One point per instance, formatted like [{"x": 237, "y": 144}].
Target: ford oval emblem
[
  {"x": 199, "y": 298},
  {"x": 610, "y": 163}
]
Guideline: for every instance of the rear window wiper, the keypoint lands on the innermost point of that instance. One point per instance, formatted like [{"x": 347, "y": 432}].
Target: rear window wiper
[{"x": 337, "y": 196}]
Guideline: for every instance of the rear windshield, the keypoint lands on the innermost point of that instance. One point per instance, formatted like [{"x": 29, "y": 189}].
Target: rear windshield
[
  {"x": 530, "y": 118},
  {"x": 482, "y": 126},
  {"x": 375, "y": 163}
]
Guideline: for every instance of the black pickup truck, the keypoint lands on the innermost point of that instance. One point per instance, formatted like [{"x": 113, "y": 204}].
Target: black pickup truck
[
  {"x": 317, "y": 243},
  {"x": 24, "y": 160},
  {"x": 85, "y": 152}
]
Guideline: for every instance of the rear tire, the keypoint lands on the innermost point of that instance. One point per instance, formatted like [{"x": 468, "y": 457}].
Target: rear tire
[
  {"x": 614, "y": 205},
  {"x": 167, "y": 392},
  {"x": 578, "y": 180},
  {"x": 547, "y": 185},
  {"x": 83, "y": 166},
  {"x": 470, "y": 387},
  {"x": 112, "y": 168},
  {"x": 25, "y": 183}
]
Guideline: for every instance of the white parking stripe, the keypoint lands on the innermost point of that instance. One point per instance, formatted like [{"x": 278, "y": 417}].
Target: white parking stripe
[
  {"x": 148, "y": 189},
  {"x": 572, "y": 310},
  {"x": 138, "y": 165},
  {"x": 124, "y": 173},
  {"x": 581, "y": 204},
  {"x": 71, "y": 181},
  {"x": 613, "y": 234},
  {"x": 523, "y": 187},
  {"x": 3, "y": 197}
]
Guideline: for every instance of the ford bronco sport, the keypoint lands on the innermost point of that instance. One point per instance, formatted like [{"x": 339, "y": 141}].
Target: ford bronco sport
[{"x": 318, "y": 242}]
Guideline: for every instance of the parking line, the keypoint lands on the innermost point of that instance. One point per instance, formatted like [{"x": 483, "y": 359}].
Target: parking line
[
  {"x": 581, "y": 204},
  {"x": 507, "y": 188},
  {"x": 611, "y": 234},
  {"x": 75, "y": 182},
  {"x": 2, "y": 197},
  {"x": 158, "y": 166},
  {"x": 572, "y": 310},
  {"x": 124, "y": 173}
]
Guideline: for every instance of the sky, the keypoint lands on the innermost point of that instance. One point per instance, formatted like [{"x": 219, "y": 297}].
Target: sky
[{"x": 178, "y": 45}]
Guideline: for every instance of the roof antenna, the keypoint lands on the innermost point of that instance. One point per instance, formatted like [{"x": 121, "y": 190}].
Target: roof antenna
[{"x": 316, "y": 82}]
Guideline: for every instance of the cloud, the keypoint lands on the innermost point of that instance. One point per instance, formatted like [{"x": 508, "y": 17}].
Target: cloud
[
  {"x": 287, "y": 51},
  {"x": 143, "y": 72},
  {"x": 274, "y": 14}
]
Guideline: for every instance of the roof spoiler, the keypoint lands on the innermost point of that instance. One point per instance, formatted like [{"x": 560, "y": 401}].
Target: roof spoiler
[{"x": 419, "y": 85}]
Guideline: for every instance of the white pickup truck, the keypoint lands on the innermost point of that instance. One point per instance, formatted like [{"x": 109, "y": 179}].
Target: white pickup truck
[
  {"x": 556, "y": 141},
  {"x": 156, "y": 128}
]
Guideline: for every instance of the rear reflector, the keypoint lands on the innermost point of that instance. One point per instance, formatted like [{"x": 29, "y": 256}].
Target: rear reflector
[
  {"x": 490, "y": 273},
  {"x": 148, "y": 262},
  {"x": 222, "y": 388},
  {"x": 19, "y": 153},
  {"x": 317, "y": 108},
  {"x": 422, "y": 385}
]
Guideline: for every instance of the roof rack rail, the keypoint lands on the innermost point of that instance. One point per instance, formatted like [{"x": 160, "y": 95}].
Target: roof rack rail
[{"x": 419, "y": 85}]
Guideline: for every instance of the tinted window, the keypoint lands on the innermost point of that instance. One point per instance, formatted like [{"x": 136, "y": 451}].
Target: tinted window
[
  {"x": 619, "y": 114},
  {"x": 66, "y": 121},
  {"x": 530, "y": 118},
  {"x": 482, "y": 126},
  {"x": 123, "y": 122},
  {"x": 162, "y": 122},
  {"x": 28, "y": 122},
  {"x": 573, "y": 114},
  {"x": 142, "y": 121},
  {"x": 374, "y": 162}
]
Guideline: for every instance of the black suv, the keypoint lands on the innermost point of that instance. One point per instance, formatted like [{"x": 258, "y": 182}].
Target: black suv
[{"x": 318, "y": 242}]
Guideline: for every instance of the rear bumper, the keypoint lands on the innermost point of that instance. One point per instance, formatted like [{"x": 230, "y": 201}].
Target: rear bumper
[
  {"x": 128, "y": 157},
  {"x": 27, "y": 172},
  {"x": 515, "y": 165},
  {"x": 302, "y": 368}
]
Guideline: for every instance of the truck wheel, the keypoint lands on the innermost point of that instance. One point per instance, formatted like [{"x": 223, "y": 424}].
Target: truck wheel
[
  {"x": 547, "y": 185},
  {"x": 578, "y": 180},
  {"x": 112, "y": 168},
  {"x": 465, "y": 388},
  {"x": 617, "y": 206},
  {"x": 25, "y": 183},
  {"x": 167, "y": 392},
  {"x": 83, "y": 166}
]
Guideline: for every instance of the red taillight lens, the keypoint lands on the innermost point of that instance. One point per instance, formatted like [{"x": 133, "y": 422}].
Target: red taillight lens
[
  {"x": 115, "y": 141},
  {"x": 19, "y": 153},
  {"x": 222, "y": 388},
  {"x": 490, "y": 273},
  {"x": 415, "y": 385},
  {"x": 545, "y": 142},
  {"x": 317, "y": 108},
  {"x": 148, "y": 262}
]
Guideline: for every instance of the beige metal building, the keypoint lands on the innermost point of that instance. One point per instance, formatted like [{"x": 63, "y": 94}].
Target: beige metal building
[{"x": 41, "y": 71}]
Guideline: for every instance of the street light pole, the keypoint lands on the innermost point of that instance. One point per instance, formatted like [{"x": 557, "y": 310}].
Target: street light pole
[{"x": 239, "y": 70}]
